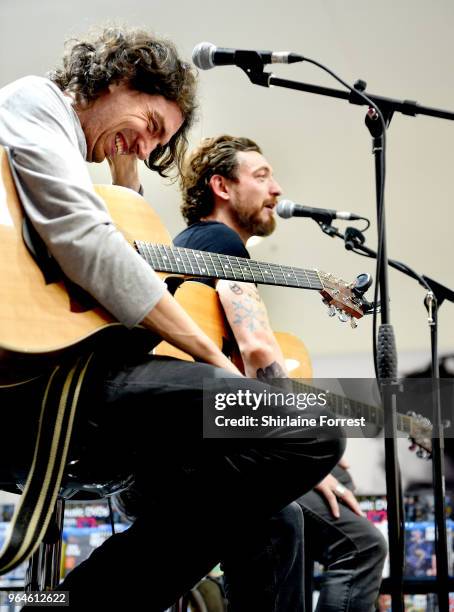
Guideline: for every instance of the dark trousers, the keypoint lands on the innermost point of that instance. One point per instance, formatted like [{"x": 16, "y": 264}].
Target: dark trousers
[
  {"x": 351, "y": 549},
  {"x": 267, "y": 572},
  {"x": 202, "y": 499}
]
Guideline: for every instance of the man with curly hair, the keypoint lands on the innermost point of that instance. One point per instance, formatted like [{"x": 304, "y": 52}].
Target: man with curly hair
[
  {"x": 229, "y": 194},
  {"x": 125, "y": 95}
]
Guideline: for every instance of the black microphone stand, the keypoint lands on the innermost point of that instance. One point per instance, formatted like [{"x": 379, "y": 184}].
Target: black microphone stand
[
  {"x": 436, "y": 294},
  {"x": 386, "y": 357},
  {"x": 386, "y": 370}
]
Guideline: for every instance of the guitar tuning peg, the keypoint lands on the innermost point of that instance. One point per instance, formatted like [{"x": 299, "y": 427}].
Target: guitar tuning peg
[
  {"x": 422, "y": 454},
  {"x": 342, "y": 316},
  {"x": 353, "y": 323},
  {"x": 331, "y": 311},
  {"x": 362, "y": 284}
]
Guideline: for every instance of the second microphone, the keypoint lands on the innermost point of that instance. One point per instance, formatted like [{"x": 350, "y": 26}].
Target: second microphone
[{"x": 287, "y": 209}]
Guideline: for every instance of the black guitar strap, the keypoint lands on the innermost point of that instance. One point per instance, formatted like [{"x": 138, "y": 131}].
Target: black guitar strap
[{"x": 34, "y": 510}]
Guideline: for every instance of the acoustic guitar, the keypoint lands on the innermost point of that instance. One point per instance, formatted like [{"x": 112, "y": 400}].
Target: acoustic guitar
[{"x": 42, "y": 314}]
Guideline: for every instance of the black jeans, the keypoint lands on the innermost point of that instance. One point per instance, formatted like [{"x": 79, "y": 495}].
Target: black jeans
[
  {"x": 352, "y": 550},
  {"x": 266, "y": 573},
  {"x": 203, "y": 499},
  {"x": 271, "y": 576}
]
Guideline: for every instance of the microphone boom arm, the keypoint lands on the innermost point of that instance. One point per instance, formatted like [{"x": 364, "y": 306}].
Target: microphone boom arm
[{"x": 257, "y": 76}]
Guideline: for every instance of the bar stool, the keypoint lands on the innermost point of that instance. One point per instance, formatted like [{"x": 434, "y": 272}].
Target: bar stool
[{"x": 79, "y": 484}]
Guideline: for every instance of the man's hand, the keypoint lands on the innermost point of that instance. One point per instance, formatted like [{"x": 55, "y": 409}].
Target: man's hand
[
  {"x": 333, "y": 491},
  {"x": 124, "y": 171},
  {"x": 169, "y": 319}
]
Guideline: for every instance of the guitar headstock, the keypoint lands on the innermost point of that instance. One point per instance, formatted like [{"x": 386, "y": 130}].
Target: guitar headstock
[
  {"x": 342, "y": 299},
  {"x": 421, "y": 434}
]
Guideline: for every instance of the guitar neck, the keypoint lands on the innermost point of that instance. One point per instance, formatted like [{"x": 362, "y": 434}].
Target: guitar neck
[
  {"x": 348, "y": 408},
  {"x": 189, "y": 262}
]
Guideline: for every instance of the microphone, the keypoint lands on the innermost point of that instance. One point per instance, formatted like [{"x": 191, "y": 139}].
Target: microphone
[
  {"x": 206, "y": 56},
  {"x": 287, "y": 209}
]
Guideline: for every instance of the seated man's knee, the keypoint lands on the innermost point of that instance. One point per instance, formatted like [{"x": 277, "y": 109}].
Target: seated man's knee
[
  {"x": 290, "y": 522},
  {"x": 338, "y": 446},
  {"x": 372, "y": 545},
  {"x": 379, "y": 545},
  {"x": 331, "y": 448}
]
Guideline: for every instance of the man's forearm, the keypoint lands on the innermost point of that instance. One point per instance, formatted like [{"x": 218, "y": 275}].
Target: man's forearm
[
  {"x": 246, "y": 313},
  {"x": 174, "y": 325}
]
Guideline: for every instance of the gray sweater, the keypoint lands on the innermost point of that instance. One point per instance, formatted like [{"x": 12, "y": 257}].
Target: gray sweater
[{"x": 48, "y": 150}]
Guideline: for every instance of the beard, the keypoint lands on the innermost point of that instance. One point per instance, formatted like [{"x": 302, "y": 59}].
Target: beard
[{"x": 255, "y": 225}]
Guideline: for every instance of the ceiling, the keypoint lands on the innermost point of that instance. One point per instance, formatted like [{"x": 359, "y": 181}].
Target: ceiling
[{"x": 319, "y": 147}]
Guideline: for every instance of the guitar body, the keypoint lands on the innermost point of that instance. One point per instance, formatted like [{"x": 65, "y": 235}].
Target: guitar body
[
  {"x": 202, "y": 304},
  {"x": 39, "y": 321}
]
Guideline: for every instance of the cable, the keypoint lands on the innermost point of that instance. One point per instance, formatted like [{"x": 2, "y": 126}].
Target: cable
[{"x": 380, "y": 219}]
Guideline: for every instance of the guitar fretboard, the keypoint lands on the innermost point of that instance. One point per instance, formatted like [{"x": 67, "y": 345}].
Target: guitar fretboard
[
  {"x": 344, "y": 407},
  {"x": 164, "y": 258}
]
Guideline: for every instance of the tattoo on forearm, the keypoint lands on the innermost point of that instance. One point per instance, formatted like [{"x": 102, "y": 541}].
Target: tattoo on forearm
[
  {"x": 274, "y": 370},
  {"x": 247, "y": 313},
  {"x": 250, "y": 290},
  {"x": 235, "y": 288}
]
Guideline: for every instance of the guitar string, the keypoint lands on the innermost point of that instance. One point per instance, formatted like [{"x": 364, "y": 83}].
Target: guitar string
[{"x": 163, "y": 256}]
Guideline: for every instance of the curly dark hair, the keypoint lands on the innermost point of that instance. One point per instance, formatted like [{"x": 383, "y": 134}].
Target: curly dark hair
[
  {"x": 142, "y": 61},
  {"x": 212, "y": 156}
]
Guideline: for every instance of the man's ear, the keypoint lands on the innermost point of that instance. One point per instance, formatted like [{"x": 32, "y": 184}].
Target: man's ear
[{"x": 219, "y": 186}]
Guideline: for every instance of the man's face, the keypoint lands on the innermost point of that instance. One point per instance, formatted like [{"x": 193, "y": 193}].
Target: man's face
[
  {"x": 123, "y": 121},
  {"x": 254, "y": 196}
]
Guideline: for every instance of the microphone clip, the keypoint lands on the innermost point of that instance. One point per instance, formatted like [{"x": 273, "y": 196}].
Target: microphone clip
[
  {"x": 326, "y": 227},
  {"x": 353, "y": 238},
  {"x": 253, "y": 67},
  {"x": 251, "y": 62},
  {"x": 249, "y": 59}
]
